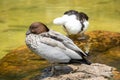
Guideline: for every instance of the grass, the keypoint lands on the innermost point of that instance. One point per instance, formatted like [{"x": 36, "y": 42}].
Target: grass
[{"x": 17, "y": 15}]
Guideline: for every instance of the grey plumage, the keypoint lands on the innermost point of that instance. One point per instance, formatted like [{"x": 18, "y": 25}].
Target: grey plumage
[{"x": 54, "y": 47}]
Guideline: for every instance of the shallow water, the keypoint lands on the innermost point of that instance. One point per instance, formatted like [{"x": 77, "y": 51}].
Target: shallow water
[{"x": 17, "y": 15}]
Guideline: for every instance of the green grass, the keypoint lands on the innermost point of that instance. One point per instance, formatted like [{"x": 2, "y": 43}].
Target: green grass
[{"x": 17, "y": 15}]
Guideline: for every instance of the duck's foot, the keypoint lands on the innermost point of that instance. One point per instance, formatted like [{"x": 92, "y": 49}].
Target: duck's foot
[{"x": 48, "y": 72}]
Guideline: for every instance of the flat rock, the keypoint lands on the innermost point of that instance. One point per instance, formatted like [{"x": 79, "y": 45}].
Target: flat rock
[{"x": 95, "y": 71}]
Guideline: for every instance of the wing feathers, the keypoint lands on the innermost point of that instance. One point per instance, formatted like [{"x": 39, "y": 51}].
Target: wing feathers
[{"x": 62, "y": 42}]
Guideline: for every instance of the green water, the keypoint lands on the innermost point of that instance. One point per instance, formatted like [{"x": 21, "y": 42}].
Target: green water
[{"x": 17, "y": 15}]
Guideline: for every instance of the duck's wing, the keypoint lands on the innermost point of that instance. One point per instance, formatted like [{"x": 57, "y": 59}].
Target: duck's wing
[
  {"x": 52, "y": 42},
  {"x": 65, "y": 41}
]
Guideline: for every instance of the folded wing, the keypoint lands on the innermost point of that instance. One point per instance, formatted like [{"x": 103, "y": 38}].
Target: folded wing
[{"x": 63, "y": 41}]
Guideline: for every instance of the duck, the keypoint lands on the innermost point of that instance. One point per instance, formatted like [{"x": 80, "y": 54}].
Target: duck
[
  {"x": 73, "y": 22},
  {"x": 53, "y": 46}
]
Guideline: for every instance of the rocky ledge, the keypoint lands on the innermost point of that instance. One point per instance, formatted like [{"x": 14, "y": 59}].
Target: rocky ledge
[
  {"x": 94, "y": 71},
  {"x": 22, "y": 64}
]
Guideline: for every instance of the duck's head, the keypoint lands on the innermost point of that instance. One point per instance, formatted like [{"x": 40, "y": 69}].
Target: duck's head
[
  {"x": 37, "y": 28},
  {"x": 71, "y": 12}
]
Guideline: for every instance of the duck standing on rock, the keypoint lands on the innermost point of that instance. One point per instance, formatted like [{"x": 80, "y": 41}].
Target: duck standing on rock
[
  {"x": 53, "y": 46},
  {"x": 74, "y": 22}
]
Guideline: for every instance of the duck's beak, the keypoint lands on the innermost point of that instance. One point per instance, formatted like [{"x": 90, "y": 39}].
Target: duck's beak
[{"x": 28, "y": 32}]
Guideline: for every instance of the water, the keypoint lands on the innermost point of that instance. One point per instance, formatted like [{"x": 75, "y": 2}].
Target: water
[{"x": 17, "y": 15}]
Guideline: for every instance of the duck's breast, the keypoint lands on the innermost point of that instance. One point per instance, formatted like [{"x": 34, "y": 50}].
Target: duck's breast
[{"x": 73, "y": 26}]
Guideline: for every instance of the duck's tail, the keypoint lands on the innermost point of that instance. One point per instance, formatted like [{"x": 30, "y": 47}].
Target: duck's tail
[{"x": 80, "y": 61}]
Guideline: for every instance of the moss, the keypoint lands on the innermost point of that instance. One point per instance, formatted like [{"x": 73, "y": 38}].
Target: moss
[
  {"x": 105, "y": 47},
  {"x": 20, "y": 63}
]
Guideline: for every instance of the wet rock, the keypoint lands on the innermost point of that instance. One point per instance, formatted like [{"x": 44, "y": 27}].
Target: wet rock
[
  {"x": 22, "y": 64},
  {"x": 104, "y": 47},
  {"x": 100, "y": 41}
]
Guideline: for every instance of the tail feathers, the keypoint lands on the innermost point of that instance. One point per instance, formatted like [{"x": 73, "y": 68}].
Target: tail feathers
[
  {"x": 87, "y": 54},
  {"x": 80, "y": 61}
]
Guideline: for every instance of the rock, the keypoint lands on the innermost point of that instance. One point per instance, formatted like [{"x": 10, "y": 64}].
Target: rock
[
  {"x": 104, "y": 47},
  {"x": 94, "y": 71},
  {"x": 22, "y": 64},
  {"x": 100, "y": 41}
]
